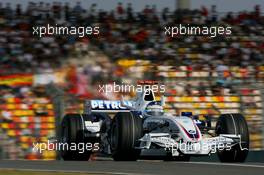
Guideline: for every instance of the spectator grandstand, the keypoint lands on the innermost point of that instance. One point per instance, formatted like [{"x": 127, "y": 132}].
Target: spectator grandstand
[{"x": 204, "y": 75}]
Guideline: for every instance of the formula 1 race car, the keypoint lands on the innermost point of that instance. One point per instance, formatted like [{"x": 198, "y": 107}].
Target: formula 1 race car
[{"x": 142, "y": 125}]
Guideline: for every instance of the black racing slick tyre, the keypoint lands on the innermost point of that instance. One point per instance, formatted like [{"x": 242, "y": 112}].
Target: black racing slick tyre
[
  {"x": 126, "y": 129},
  {"x": 72, "y": 133},
  {"x": 233, "y": 124}
]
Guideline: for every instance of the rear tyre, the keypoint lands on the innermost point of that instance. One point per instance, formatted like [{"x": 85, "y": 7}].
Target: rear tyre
[
  {"x": 72, "y": 132},
  {"x": 126, "y": 129},
  {"x": 233, "y": 124}
]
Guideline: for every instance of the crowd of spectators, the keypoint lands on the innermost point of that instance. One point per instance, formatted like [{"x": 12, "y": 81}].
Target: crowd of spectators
[
  {"x": 141, "y": 35},
  {"x": 126, "y": 33},
  {"x": 20, "y": 51}
]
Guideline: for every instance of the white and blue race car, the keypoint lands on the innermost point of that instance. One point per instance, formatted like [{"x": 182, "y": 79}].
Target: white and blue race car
[{"x": 141, "y": 127}]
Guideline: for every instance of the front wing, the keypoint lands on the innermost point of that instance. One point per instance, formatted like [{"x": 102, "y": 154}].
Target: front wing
[{"x": 178, "y": 146}]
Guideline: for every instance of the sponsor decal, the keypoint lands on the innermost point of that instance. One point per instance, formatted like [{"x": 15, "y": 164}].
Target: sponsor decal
[{"x": 109, "y": 105}]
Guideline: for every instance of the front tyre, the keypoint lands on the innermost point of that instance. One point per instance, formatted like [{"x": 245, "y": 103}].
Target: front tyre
[
  {"x": 126, "y": 129},
  {"x": 233, "y": 124},
  {"x": 72, "y": 132}
]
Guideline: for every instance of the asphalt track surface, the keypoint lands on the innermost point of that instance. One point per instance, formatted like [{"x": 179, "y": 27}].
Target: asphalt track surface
[{"x": 139, "y": 167}]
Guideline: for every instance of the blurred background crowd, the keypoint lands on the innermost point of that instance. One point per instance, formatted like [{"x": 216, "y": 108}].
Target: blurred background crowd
[{"x": 200, "y": 73}]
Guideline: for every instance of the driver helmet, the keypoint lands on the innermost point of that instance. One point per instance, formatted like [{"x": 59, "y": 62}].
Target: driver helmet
[{"x": 154, "y": 109}]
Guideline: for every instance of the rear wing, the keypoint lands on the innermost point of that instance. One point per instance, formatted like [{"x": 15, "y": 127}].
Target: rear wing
[{"x": 109, "y": 106}]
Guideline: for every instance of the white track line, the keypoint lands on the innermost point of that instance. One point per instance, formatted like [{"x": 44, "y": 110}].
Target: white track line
[
  {"x": 69, "y": 171},
  {"x": 224, "y": 164}
]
